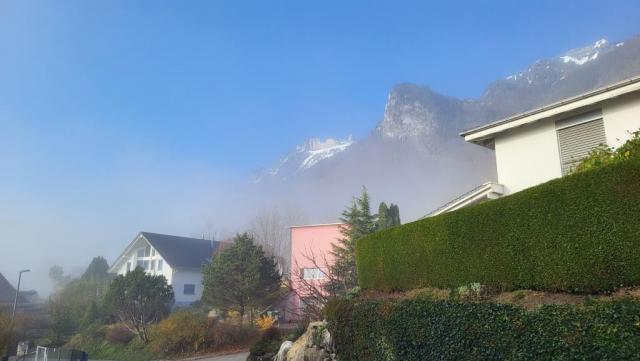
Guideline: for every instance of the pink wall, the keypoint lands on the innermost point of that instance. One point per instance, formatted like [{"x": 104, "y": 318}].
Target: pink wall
[{"x": 312, "y": 240}]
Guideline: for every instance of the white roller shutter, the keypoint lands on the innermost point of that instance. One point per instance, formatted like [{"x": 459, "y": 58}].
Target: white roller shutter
[{"x": 577, "y": 141}]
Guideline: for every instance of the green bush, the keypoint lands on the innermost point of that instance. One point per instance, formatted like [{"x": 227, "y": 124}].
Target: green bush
[
  {"x": 603, "y": 155},
  {"x": 580, "y": 233},
  {"x": 444, "y": 330},
  {"x": 268, "y": 344},
  {"x": 134, "y": 351}
]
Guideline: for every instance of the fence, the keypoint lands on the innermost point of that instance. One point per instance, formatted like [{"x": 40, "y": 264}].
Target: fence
[{"x": 42, "y": 353}]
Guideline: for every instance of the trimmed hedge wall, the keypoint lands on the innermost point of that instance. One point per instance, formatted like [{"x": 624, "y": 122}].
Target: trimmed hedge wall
[
  {"x": 444, "y": 330},
  {"x": 580, "y": 233}
]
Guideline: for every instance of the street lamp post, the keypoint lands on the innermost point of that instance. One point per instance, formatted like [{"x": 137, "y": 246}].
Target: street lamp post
[{"x": 13, "y": 312}]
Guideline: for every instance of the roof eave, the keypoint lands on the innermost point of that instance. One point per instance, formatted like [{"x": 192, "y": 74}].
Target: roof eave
[{"x": 481, "y": 134}]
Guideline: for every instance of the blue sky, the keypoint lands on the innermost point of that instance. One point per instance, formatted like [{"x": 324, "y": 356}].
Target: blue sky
[
  {"x": 108, "y": 109},
  {"x": 234, "y": 84}
]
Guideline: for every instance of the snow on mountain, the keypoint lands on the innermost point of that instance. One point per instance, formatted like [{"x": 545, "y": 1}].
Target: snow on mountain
[
  {"x": 318, "y": 150},
  {"x": 554, "y": 69},
  {"x": 584, "y": 55},
  {"x": 417, "y": 139},
  {"x": 304, "y": 157}
]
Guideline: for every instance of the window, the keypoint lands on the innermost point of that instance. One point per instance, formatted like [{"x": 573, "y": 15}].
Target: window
[
  {"x": 153, "y": 264},
  {"x": 312, "y": 274},
  {"x": 576, "y": 139},
  {"x": 145, "y": 265},
  {"x": 153, "y": 252},
  {"x": 147, "y": 251},
  {"x": 160, "y": 264},
  {"x": 140, "y": 264},
  {"x": 189, "y": 289},
  {"x": 128, "y": 266}
]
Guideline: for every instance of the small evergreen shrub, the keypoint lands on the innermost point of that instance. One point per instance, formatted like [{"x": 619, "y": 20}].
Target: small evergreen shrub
[
  {"x": 419, "y": 329},
  {"x": 579, "y": 233},
  {"x": 269, "y": 343}
]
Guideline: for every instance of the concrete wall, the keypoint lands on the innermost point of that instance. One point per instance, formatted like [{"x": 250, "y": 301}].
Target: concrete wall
[{"x": 529, "y": 155}]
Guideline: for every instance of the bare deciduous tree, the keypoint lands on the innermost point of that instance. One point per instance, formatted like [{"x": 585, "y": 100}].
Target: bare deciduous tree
[
  {"x": 270, "y": 229},
  {"x": 315, "y": 293}
]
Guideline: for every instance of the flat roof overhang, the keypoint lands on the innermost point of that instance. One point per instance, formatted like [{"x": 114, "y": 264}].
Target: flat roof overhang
[{"x": 484, "y": 135}]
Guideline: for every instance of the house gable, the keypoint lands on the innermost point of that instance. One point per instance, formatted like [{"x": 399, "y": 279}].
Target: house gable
[{"x": 141, "y": 253}]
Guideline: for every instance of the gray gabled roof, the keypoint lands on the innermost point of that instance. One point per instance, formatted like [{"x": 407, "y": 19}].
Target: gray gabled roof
[
  {"x": 8, "y": 292},
  {"x": 182, "y": 252}
]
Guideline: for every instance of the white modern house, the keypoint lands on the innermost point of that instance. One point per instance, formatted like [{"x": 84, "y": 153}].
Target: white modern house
[
  {"x": 178, "y": 259},
  {"x": 546, "y": 143}
]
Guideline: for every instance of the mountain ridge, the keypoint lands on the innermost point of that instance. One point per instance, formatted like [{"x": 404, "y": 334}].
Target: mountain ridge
[{"x": 417, "y": 137}]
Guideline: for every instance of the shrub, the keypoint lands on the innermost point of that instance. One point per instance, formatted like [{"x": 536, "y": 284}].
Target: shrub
[
  {"x": 265, "y": 322},
  {"x": 223, "y": 335},
  {"x": 5, "y": 323},
  {"x": 134, "y": 351},
  {"x": 118, "y": 334},
  {"x": 269, "y": 343},
  {"x": 188, "y": 331},
  {"x": 420, "y": 329},
  {"x": 603, "y": 155},
  {"x": 183, "y": 331},
  {"x": 579, "y": 233}
]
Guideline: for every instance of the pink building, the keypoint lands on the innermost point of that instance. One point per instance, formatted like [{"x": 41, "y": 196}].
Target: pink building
[{"x": 310, "y": 256}]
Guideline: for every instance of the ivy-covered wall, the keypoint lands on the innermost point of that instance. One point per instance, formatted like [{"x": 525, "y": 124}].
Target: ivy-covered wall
[
  {"x": 580, "y": 233},
  {"x": 418, "y": 329}
]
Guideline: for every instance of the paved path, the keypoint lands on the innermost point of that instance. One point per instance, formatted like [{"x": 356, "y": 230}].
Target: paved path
[{"x": 233, "y": 357}]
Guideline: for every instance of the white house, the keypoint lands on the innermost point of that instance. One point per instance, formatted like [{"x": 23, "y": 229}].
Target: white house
[
  {"x": 178, "y": 259},
  {"x": 545, "y": 143}
]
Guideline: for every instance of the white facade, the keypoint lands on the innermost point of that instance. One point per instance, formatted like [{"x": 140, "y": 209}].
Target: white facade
[
  {"x": 183, "y": 282},
  {"x": 527, "y": 146},
  {"x": 187, "y": 284},
  {"x": 527, "y": 156}
]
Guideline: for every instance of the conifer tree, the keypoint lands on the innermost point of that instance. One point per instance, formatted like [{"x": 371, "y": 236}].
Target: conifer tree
[
  {"x": 358, "y": 222},
  {"x": 241, "y": 277},
  {"x": 368, "y": 221},
  {"x": 383, "y": 216},
  {"x": 394, "y": 215}
]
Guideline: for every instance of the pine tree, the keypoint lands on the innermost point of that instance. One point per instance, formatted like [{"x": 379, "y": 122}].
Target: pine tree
[
  {"x": 394, "y": 215},
  {"x": 358, "y": 222},
  {"x": 242, "y": 277},
  {"x": 383, "y": 216},
  {"x": 344, "y": 250},
  {"x": 368, "y": 221}
]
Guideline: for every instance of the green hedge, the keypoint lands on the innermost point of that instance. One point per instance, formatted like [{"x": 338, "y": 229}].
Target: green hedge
[
  {"x": 445, "y": 330},
  {"x": 580, "y": 233}
]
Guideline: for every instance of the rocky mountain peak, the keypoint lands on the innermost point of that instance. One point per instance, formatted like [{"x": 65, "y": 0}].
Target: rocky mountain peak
[{"x": 410, "y": 112}]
